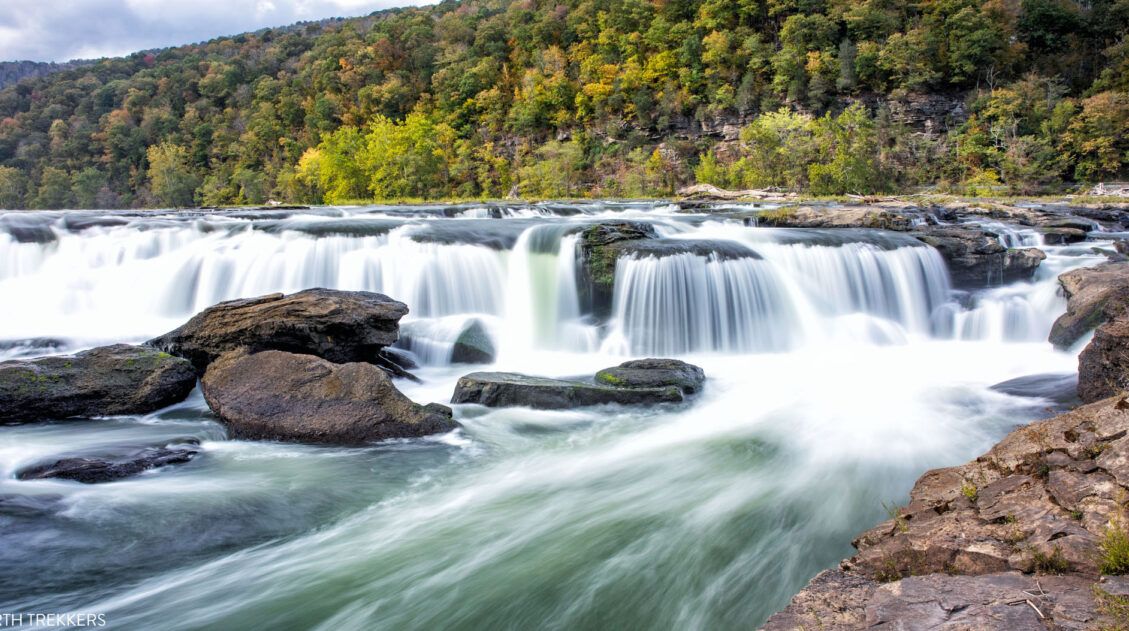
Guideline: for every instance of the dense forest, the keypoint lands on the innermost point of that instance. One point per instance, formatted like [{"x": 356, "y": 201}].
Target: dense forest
[{"x": 568, "y": 98}]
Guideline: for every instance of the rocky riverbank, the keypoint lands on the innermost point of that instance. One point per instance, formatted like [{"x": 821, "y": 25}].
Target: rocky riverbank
[{"x": 1034, "y": 534}]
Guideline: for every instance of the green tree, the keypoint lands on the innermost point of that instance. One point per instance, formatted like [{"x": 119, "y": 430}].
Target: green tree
[
  {"x": 13, "y": 188},
  {"x": 54, "y": 189},
  {"x": 86, "y": 185},
  {"x": 171, "y": 180}
]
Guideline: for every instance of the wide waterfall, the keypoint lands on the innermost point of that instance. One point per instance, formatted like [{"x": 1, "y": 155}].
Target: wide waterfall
[{"x": 841, "y": 364}]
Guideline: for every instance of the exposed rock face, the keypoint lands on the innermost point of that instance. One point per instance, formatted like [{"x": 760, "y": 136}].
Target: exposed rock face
[
  {"x": 1093, "y": 295},
  {"x": 105, "y": 381},
  {"x": 508, "y": 389},
  {"x": 1103, "y": 366},
  {"x": 98, "y": 470},
  {"x": 1039, "y": 501},
  {"x": 273, "y": 395},
  {"x": 600, "y": 260},
  {"x": 841, "y": 600},
  {"x": 872, "y": 217},
  {"x": 640, "y": 382},
  {"x": 473, "y": 346},
  {"x": 654, "y": 373},
  {"x": 340, "y": 326},
  {"x": 976, "y": 258}
]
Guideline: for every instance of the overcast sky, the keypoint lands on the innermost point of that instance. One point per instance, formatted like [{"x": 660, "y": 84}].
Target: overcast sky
[{"x": 58, "y": 30}]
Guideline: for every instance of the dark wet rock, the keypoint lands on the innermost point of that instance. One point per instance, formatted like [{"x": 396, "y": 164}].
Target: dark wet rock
[
  {"x": 599, "y": 260},
  {"x": 405, "y": 359},
  {"x": 654, "y": 373},
  {"x": 715, "y": 249},
  {"x": 507, "y": 389},
  {"x": 1039, "y": 502},
  {"x": 99, "y": 470},
  {"x": 1060, "y": 388},
  {"x": 340, "y": 326},
  {"x": 1093, "y": 295},
  {"x": 638, "y": 382},
  {"x": 474, "y": 345},
  {"x": 274, "y": 395},
  {"x": 975, "y": 257},
  {"x": 1103, "y": 366},
  {"x": 29, "y": 227},
  {"x": 104, "y": 381}
]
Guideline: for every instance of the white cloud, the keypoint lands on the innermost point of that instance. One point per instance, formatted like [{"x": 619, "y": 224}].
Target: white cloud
[{"x": 58, "y": 30}]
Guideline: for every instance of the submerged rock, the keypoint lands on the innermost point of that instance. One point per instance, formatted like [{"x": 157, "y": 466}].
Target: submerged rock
[
  {"x": 1040, "y": 501},
  {"x": 473, "y": 346},
  {"x": 976, "y": 259},
  {"x": 1059, "y": 388},
  {"x": 1093, "y": 295},
  {"x": 508, "y": 389},
  {"x": 1103, "y": 366},
  {"x": 104, "y": 381},
  {"x": 639, "y": 382},
  {"x": 340, "y": 326},
  {"x": 274, "y": 395},
  {"x": 98, "y": 470}
]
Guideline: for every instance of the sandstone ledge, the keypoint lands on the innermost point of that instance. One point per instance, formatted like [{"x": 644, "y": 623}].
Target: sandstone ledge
[{"x": 1023, "y": 522}]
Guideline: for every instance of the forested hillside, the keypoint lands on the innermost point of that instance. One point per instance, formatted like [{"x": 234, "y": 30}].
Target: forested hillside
[{"x": 485, "y": 98}]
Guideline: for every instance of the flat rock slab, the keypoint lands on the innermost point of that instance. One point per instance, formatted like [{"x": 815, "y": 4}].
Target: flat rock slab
[
  {"x": 104, "y": 381},
  {"x": 273, "y": 395},
  {"x": 654, "y": 373},
  {"x": 638, "y": 382},
  {"x": 340, "y": 326},
  {"x": 839, "y": 600},
  {"x": 98, "y": 470}
]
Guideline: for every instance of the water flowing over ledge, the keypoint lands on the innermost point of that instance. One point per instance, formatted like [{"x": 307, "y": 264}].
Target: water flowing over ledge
[{"x": 841, "y": 364}]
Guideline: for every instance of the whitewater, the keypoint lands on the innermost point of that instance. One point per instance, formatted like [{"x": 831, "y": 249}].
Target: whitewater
[{"x": 841, "y": 365}]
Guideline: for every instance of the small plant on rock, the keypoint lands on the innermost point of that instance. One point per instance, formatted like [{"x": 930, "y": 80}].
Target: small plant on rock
[
  {"x": 1114, "y": 548},
  {"x": 1053, "y": 563},
  {"x": 970, "y": 491}
]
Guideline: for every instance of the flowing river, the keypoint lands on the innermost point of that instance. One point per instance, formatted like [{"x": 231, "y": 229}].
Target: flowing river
[{"x": 841, "y": 365}]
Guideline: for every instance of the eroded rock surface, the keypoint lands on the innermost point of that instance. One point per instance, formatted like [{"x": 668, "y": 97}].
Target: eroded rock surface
[
  {"x": 975, "y": 257},
  {"x": 108, "y": 469},
  {"x": 273, "y": 395},
  {"x": 104, "y": 381},
  {"x": 1103, "y": 366},
  {"x": 975, "y": 538},
  {"x": 339, "y": 326},
  {"x": 1093, "y": 295}
]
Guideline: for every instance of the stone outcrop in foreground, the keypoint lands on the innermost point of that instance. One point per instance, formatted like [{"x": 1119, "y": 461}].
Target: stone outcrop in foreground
[
  {"x": 274, "y": 395},
  {"x": 639, "y": 382},
  {"x": 104, "y": 381},
  {"x": 1011, "y": 540},
  {"x": 339, "y": 326}
]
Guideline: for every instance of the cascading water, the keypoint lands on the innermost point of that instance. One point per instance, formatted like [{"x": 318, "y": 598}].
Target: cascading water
[{"x": 840, "y": 366}]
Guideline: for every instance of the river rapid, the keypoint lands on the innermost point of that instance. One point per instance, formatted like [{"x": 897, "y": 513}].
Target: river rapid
[{"x": 841, "y": 365}]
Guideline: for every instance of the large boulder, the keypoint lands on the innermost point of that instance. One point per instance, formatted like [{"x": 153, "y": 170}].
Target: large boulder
[
  {"x": 975, "y": 257},
  {"x": 1093, "y": 295},
  {"x": 108, "y": 469},
  {"x": 274, "y": 395},
  {"x": 1103, "y": 366},
  {"x": 339, "y": 326},
  {"x": 105, "y": 381},
  {"x": 639, "y": 382}
]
